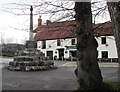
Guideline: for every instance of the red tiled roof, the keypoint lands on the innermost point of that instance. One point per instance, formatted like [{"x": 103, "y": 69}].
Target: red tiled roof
[
  {"x": 57, "y": 30},
  {"x": 66, "y": 29},
  {"x": 103, "y": 29}
]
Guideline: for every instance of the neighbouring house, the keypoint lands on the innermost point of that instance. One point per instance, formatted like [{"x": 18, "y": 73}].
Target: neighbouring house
[{"x": 58, "y": 40}]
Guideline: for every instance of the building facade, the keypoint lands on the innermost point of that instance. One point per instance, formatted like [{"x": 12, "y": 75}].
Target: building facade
[
  {"x": 58, "y": 41},
  {"x": 107, "y": 48},
  {"x": 59, "y": 48}
]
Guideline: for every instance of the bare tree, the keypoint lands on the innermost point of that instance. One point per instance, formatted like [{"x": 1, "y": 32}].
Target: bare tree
[
  {"x": 89, "y": 75},
  {"x": 45, "y": 8},
  {"x": 54, "y": 10},
  {"x": 23, "y": 41},
  {"x": 9, "y": 40},
  {"x": 114, "y": 9}
]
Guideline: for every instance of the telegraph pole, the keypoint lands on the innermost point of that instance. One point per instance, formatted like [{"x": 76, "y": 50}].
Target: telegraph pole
[{"x": 31, "y": 25}]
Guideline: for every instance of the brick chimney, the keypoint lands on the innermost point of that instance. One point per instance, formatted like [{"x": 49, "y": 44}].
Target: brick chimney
[{"x": 39, "y": 23}]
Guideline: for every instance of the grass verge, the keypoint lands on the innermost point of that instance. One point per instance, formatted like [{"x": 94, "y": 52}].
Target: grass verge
[
  {"x": 113, "y": 85},
  {"x": 107, "y": 85}
]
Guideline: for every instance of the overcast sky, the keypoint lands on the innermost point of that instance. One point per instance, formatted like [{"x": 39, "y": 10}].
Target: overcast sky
[
  {"x": 11, "y": 25},
  {"x": 9, "y": 22}
]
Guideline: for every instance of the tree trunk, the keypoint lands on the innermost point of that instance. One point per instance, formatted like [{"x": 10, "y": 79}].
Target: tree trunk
[
  {"x": 114, "y": 10},
  {"x": 89, "y": 74}
]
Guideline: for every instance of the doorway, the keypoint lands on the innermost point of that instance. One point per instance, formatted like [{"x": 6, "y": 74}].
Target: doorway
[
  {"x": 50, "y": 54},
  {"x": 61, "y": 54}
]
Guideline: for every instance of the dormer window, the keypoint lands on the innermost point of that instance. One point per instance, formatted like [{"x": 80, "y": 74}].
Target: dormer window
[
  {"x": 103, "y": 40},
  {"x": 73, "y": 41},
  {"x": 58, "y": 42}
]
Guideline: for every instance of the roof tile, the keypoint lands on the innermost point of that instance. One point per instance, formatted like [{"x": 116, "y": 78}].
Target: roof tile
[{"x": 66, "y": 29}]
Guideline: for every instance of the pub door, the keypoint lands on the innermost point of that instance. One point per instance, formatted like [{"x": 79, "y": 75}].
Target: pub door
[{"x": 61, "y": 54}]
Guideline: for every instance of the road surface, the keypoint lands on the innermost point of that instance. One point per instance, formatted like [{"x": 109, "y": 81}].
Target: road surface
[{"x": 62, "y": 78}]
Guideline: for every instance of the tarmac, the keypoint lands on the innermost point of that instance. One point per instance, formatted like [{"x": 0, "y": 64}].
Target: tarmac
[{"x": 62, "y": 78}]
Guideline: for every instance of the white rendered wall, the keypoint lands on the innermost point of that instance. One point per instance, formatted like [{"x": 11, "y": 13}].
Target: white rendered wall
[
  {"x": 51, "y": 45},
  {"x": 110, "y": 46}
]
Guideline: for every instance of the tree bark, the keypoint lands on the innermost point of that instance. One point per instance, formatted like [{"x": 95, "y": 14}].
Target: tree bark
[
  {"x": 89, "y": 74},
  {"x": 114, "y": 10}
]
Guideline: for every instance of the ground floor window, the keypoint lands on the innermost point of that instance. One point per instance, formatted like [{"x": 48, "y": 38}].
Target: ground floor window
[
  {"x": 73, "y": 53},
  {"x": 104, "y": 54}
]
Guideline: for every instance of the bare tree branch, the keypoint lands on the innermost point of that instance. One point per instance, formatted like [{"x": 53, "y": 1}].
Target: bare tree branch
[{"x": 56, "y": 10}]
